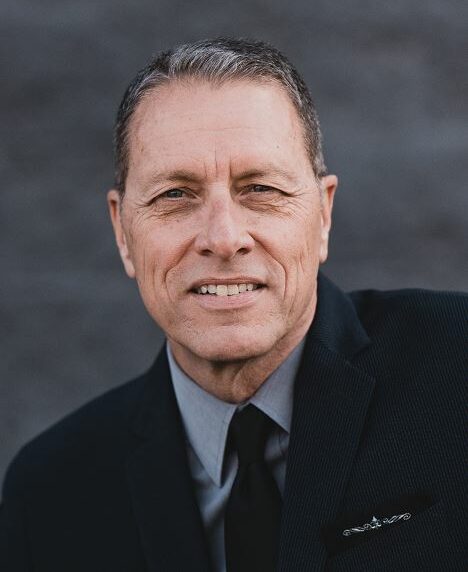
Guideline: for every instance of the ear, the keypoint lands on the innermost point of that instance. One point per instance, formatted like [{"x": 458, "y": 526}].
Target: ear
[
  {"x": 114, "y": 202},
  {"x": 328, "y": 186}
]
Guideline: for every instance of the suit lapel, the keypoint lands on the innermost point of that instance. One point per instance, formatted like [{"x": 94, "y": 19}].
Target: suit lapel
[
  {"x": 160, "y": 483},
  {"x": 330, "y": 405}
]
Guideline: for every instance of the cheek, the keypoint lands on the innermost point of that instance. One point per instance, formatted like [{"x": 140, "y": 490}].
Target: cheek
[
  {"x": 310, "y": 252},
  {"x": 300, "y": 239},
  {"x": 146, "y": 253},
  {"x": 292, "y": 252},
  {"x": 301, "y": 253},
  {"x": 158, "y": 252}
]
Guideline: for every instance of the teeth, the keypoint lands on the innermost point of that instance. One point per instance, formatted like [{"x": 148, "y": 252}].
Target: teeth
[
  {"x": 226, "y": 289},
  {"x": 232, "y": 289},
  {"x": 221, "y": 290}
]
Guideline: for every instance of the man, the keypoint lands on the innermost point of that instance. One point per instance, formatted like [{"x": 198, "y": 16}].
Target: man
[{"x": 285, "y": 425}]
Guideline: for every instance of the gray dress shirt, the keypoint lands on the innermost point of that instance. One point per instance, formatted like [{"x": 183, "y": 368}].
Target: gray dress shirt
[{"x": 206, "y": 421}]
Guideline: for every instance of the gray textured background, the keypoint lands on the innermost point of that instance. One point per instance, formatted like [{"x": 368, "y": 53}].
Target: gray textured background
[{"x": 390, "y": 84}]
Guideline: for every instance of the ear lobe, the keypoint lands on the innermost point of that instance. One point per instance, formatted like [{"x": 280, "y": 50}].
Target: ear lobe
[
  {"x": 114, "y": 203},
  {"x": 329, "y": 184}
]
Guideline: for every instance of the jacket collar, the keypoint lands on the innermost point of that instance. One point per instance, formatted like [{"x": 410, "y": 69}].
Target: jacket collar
[
  {"x": 336, "y": 325},
  {"x": 331, "y": 400},
  {"x": 160, "y": 483}
]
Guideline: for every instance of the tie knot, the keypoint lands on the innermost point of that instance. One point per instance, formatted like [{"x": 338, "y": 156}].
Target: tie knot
[{"x": 249, "y": 431}]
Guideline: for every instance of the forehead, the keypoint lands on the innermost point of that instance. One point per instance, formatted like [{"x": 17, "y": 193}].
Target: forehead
[{"x": 193, "y": 121}]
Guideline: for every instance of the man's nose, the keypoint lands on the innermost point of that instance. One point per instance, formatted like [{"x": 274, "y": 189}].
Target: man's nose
[{"x": 224, "y": 232}]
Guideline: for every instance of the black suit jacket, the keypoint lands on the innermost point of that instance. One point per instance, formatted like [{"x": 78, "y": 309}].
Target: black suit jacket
[{"x": 376, "y": 431}]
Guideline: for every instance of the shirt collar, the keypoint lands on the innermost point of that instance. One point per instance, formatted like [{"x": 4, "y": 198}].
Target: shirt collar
[{"x": 206, "y": 418}]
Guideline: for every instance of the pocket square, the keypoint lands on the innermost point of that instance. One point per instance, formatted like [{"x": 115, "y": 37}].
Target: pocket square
[{"x": 352, "y": 529}]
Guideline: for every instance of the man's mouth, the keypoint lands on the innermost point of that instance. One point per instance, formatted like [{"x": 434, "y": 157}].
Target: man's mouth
[{"x": 226, "y": 289}]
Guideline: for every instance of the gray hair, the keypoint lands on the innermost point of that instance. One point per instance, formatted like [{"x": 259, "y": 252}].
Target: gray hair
[{"x": 218, "y": 61}]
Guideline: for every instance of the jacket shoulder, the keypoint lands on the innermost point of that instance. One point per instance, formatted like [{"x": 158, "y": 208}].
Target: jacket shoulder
[
  {"x": 418, "y": 342},
  {"x": 92, "y": 436},
  {"x": 412, "y": 310}
]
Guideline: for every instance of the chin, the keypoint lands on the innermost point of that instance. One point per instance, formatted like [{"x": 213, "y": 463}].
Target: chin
[{"x": 229, "y": 346}]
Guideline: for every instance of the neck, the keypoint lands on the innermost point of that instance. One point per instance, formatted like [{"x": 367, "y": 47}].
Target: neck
[{"x": 237, "y": 381}]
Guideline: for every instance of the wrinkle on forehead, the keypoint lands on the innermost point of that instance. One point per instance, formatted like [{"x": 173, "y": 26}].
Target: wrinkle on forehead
[
  {"x": 174, "y": 100},
  {"x": 214, "y": 133},
  {"x": 237, "y": 173}
]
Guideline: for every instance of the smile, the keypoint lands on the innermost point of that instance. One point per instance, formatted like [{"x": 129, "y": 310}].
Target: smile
[{"x": 226, "y": 289}]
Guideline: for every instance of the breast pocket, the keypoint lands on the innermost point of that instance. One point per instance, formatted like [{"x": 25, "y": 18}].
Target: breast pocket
[{"x": 418, "y": 544}]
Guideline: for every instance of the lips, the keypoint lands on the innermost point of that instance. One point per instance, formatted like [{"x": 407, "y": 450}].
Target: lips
[
  {"x": 226, "y": 286},
  {"x": 227, "y": 289}
]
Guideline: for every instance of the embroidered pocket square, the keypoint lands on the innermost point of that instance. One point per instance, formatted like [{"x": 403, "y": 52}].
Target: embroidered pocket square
[{"x": 352, "y": 529}]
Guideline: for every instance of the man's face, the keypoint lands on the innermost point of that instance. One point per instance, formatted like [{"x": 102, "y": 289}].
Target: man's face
[{"x": 221, "y": 195}]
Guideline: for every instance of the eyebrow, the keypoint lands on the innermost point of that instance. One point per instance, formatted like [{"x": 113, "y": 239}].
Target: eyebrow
[
  {"x": 267, "y": 170},
  {"x": 179, "y": 175},
  {"x": 187, "y": 176}
]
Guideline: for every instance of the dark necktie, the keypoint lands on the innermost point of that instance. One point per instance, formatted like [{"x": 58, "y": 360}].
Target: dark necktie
[{"x": 253, "y": 511}]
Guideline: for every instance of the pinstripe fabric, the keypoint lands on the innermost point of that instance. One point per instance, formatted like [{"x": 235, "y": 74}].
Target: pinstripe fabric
[{"x": 378, "y": 419}]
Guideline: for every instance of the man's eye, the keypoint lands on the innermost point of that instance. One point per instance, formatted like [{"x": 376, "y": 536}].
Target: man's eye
[
  {"x": 261, "y": 189},
  {"x": 174, "y": 194}
]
